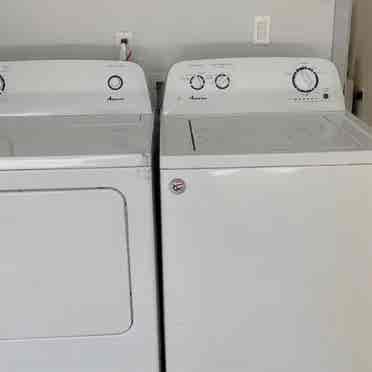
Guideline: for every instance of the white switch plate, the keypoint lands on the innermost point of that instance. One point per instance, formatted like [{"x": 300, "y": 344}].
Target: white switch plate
[{"x": 262, "y": 30}]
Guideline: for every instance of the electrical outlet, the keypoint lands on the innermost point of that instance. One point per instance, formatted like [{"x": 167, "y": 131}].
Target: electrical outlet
[
  {"x": 120, "y": 35},
  {"x": 262, "y": 30}
]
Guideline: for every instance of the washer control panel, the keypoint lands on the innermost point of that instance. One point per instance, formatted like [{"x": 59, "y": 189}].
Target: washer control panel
[{"x": 241, "y": 85}]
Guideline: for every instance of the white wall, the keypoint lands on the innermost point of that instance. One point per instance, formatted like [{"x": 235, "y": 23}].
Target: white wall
[{"x": 165, "y": 31}]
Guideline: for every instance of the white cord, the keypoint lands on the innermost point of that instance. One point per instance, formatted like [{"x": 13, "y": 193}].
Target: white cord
[{"x": 125, "y": 50}]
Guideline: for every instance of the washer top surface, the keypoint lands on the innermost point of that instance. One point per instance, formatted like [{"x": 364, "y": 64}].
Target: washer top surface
[
  {"x": 74, "y": 114},
  {"x": 266, "y": 139}
]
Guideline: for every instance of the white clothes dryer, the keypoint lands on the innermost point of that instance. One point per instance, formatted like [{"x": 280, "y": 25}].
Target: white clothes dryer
[{"x": 77, "y": 261}]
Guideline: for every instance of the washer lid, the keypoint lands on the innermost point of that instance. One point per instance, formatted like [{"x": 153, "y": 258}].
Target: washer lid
[
  {"x": 75, "y": 141},
  {"x": 264, "y": 140}
]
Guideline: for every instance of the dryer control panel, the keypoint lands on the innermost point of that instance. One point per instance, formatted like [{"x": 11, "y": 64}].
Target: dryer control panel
[
  {"x": 243, "y": 85},
  {"x": 72, "y": 87}
]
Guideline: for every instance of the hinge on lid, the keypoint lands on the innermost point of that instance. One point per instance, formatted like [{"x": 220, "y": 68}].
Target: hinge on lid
[{"x": 192, "y": 135}]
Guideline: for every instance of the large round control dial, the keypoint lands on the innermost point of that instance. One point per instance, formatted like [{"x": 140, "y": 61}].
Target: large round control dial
[
  {"x": 197, "y": 82},
  {"x": 222, "y": 81},
  {"x": 305, "y": 79},
  {"x": 115, "y": 82},
  {"x": 2, "y": 84}
]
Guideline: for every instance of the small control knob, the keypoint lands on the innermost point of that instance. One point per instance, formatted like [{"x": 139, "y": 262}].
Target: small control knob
[
  {"x": 2, "y": 84},
  {"x": 115, "y": 82},
  {"x": 197, "y": 82},
  {"x": 222, "y": 81},
  {"x": 305, "y": 79}
]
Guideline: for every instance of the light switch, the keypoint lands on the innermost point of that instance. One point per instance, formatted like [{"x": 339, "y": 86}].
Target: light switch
[{"x": 262, "y": 26}]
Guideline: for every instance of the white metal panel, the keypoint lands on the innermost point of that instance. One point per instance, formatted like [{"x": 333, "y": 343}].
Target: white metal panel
[
  {"x": 268, "y": 269},
  {"x": 64, "y": 267},
  {"x": 136, "y": 349},
  {"x": 267, "y": 160}
]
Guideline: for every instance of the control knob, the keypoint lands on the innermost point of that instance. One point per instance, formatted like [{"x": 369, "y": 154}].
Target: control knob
[
  {"x": 197, "y": 82},
  {"x": 222, "y": 81},
  {"x": 115, "y": 82},
  {"x": 305, "y": 80}
]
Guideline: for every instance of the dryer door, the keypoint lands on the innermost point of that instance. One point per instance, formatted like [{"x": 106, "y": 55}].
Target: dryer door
[{"x": 63, "y": 263}]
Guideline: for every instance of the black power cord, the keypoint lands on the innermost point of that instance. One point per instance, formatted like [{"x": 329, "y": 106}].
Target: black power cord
[{"x": 157, "y": 222}]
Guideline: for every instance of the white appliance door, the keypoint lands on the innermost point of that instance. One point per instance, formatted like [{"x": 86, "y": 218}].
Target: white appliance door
[
  {"x": 63, "y": 263},
  {"x": 268, "y": 269}
]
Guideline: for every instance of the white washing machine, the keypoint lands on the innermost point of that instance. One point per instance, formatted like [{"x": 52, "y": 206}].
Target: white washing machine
[
  {"x": 266, "y": 194},
  {"x": 77, "y": 270}
]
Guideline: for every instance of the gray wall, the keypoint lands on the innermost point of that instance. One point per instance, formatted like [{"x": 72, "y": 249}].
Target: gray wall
[
  {"x": 361, "y": 57},
  {"x": 165, "y": 31}
]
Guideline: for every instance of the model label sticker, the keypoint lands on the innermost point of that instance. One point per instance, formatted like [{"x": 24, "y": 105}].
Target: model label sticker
[
  {"x": 195, "y": 98},
  {"x": 115, "y": 99},
  {"x": 177, "y": 186}
]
